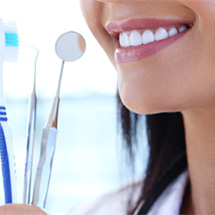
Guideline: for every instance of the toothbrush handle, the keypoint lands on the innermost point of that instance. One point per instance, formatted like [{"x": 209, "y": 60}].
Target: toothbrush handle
[
  {"x": 29, "y": 149},
  {"x": 44, "y": 168},
  {"x": 7, "y": 163},
  {"x": 5, "y": 167}
]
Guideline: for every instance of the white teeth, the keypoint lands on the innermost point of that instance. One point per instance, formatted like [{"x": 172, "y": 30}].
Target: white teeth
[
  {"x": 161, "y": 34},
  {"x": 172, "y": 32},
  {"x": 148, "y": 37},
  {"x": 124, "y": 40},
  {"x": 182, "y": 29},
  {"x": 135, "y": 38}
]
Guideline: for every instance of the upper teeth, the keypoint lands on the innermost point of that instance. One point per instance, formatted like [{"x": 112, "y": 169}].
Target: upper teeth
[{"x": 135, "y": 38}]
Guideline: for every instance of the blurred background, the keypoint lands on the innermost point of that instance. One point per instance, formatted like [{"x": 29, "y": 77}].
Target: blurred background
[{"x": 87, "y": 158}]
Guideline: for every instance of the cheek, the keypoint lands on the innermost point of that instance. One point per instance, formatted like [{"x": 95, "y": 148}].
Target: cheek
[
  {"x": 93, "y": 12},
  {"x": 180, "y": 77}
]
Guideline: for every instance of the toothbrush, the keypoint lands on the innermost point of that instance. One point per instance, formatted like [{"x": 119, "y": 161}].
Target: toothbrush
[
  {"x": 8, "y": 52},
  {"x": 30, "y": 138}
]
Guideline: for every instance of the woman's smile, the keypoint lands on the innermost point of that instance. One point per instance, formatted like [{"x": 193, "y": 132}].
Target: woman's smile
[{"x": 141, "y": 38}]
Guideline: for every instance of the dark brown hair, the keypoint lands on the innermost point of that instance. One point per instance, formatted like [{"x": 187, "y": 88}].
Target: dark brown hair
[{"x": 167, "y": 151}]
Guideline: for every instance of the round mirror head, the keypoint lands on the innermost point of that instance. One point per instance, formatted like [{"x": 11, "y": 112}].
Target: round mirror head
[{"x": 70, "y": 46}]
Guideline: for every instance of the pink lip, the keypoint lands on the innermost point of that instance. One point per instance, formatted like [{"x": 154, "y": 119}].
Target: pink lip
[
  {"x": 115, "y": 28},
  {"x": 129, "y": 54}
]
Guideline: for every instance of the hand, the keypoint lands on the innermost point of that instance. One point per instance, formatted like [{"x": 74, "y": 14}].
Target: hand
[{"x": 21, "y": 209}]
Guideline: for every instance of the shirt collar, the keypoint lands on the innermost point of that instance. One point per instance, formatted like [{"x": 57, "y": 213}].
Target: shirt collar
[{"x": 169, "y": 202}]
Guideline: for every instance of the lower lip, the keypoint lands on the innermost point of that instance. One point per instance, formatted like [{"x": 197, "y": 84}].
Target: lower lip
[{"x": 130, "y": 54}]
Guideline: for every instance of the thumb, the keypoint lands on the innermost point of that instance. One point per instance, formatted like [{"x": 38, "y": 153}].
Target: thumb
[{"x": 21, "y": 209}]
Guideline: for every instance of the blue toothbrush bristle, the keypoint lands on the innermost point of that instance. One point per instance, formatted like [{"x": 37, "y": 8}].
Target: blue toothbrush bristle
[
  {"x": 11, "y": 39},
  {"x": 10, "y": 51}
]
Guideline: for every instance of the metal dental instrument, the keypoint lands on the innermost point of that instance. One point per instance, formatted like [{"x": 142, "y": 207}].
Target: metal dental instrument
[
  {"x": 70, "y": 46},
  {"x": 30, "y": 138}
]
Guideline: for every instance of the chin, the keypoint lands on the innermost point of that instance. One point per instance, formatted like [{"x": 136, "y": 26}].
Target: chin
[
  {"x": 144, "y": 109},
  {"x": 150, "y": 110},
  {"x": 151, "y": 106}
]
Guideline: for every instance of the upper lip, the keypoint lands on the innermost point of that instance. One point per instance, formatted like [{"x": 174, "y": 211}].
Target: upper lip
[{"x": 114, "y": 28}]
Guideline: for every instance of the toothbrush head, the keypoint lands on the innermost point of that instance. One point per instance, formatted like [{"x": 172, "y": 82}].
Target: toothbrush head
[{"x": 9, "y": 41}]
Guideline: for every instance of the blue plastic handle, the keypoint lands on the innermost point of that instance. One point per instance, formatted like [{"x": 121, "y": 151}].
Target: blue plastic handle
[{"x": 5, "y": 162}]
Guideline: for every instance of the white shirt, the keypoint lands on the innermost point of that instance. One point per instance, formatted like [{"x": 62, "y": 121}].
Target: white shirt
[{"x": 168, "y": 203}]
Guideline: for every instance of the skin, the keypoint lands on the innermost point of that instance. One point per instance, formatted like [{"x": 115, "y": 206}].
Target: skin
[
  {"x": 21, "y": 209},
  {"x": 179, "y": 78}
]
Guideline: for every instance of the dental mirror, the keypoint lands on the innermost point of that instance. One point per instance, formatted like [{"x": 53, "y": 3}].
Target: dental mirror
[{"x": 70, "y": 46}]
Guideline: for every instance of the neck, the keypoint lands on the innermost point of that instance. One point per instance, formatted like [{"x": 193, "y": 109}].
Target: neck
[
  {"x": 2, "y": 102},
  {"x": 200, "y": 143}
]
